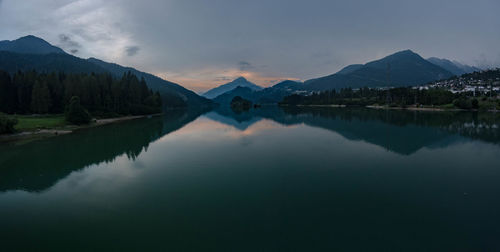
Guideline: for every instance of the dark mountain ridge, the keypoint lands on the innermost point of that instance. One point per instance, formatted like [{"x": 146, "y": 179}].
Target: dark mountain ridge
[
  {"x": 166, "y": 88},
  {"x": 32, "y": 53},
  {"x": 30, "y": 45},
  {"x": 270, "y": 95},
  {"x": 404, "y": 68}
]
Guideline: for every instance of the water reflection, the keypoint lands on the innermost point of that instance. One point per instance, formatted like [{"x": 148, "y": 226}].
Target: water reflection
[
  {"x": 37, "y": 166},
  {"x": 403, "y": 132},
  {"x": 269, "y": 179}
]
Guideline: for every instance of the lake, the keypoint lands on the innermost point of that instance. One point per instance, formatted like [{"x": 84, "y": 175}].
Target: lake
[{"x": 272, "y": 179}]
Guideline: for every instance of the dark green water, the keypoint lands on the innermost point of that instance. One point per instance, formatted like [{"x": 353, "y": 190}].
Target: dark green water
[{"x": 270, "y": 180}]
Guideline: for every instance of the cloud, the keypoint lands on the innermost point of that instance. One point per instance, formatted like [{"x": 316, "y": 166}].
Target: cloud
[
  {"x": 222, "y": 79},
  {"x": 65, "y": 39},
  {"x": 245, "y": 66},
  {"x": 66, "y": 42},
  {"x": 221, "y": 40},
  {"x": 91, "y": 36},
  {"x": 132, "y": 50}
]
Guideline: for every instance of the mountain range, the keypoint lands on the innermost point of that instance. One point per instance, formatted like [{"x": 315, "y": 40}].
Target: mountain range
[
  {"x": 404, "y": 68},
  {"x": 270, "y": 95},
  {"x": 454, "y": 67},
  {"x": 33, "y": 53},
  {"x": 239, "y": 82}
]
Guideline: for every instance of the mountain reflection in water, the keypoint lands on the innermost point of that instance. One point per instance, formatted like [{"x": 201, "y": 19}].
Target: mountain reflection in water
[
  {"x": 37, "y": 166},
  {"x": 307, "y": 179},
  {"x": 399, "y": 131}
]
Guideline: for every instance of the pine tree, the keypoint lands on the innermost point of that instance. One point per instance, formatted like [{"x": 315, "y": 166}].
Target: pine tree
[
  {"x": 5, "y": 84},
  {"x": 31, "y": 92},
  {"x": 56, "y": 93},
  {"x": 76, "y": 113},
  {"x": 40, "y": 98}
]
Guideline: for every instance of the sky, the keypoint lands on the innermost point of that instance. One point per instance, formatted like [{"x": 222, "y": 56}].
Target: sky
[{"x": 201, "y": 44}]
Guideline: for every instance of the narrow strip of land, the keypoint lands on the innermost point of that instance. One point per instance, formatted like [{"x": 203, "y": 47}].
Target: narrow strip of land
[{"x": 44, "y": 127}]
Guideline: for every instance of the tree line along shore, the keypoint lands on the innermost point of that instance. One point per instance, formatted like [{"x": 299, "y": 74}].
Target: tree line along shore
[
  {"x": 31, "y": 100},
  {"x": 404, "y": 97}
]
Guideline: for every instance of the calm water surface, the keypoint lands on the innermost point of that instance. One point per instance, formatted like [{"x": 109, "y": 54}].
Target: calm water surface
[{"x": 268, "y": 180}]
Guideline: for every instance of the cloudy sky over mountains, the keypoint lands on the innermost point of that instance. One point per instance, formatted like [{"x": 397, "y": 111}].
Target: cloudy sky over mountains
[{"x": 200, "y": 43}]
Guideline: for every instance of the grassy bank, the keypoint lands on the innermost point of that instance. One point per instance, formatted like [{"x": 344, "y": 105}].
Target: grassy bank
[
  {"x": 35, "y": 127},
  {"x": 32, "y": 123}
]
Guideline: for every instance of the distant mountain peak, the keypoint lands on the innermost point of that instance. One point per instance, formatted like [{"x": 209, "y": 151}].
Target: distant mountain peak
[
  {"x": 404, "y": 53},
  {"x": 31, "y": 37},
  {"x": 241, "y": 78},
  {"x": 403, "y": 68},
  {"x": 407, "y": 51},
  {"x": 238, "y": 82},
  {"x": 29, "y": 45}
]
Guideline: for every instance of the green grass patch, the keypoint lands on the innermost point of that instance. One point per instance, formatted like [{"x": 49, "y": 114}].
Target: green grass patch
[
  {"x": 447, "y": 106},
  {"x": 29, "y": 123}
]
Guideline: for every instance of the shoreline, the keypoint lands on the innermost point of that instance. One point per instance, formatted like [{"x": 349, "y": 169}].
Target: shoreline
[
  {"x": 432, "y": 109},
  {"x": 417, "y": 108},
  {"x": 47, "y": 133},
  {"x": 396, "y": 108},
  {"x": 326, "y": 106}
]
